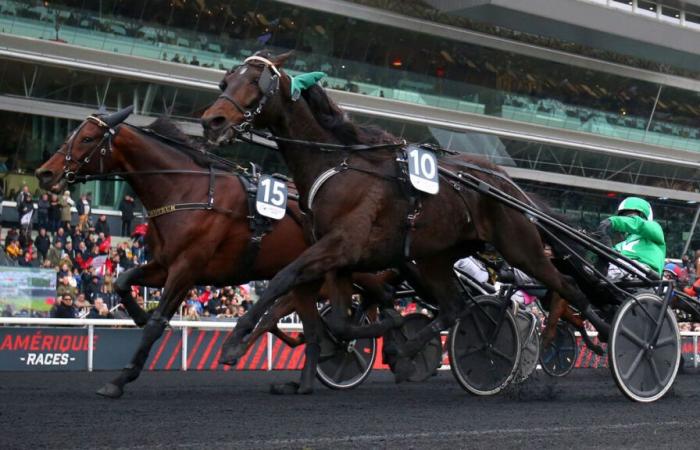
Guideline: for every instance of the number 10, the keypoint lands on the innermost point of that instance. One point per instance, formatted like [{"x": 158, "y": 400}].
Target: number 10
[{"x": 423, "y": 167}]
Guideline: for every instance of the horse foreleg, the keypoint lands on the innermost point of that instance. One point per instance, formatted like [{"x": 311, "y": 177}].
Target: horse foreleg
[
  {"x": 176, "y": 286},
  {"x": 151, "y": 275}
]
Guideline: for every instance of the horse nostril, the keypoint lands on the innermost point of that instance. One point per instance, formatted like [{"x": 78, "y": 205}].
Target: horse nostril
[
  {"x": 213, "y": 123},
  {"x": 43, "y": 174}
]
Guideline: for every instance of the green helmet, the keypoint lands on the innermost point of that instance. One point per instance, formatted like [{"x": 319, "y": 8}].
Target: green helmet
[{"x": 637, "y": 204}]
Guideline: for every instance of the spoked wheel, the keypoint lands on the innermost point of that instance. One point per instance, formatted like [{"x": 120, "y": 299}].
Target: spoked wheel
[
  {"x": 530, "y": 339},
  {"x": 345, "y": 364},
  {"x": 484, "y": 347},
  {"x": 559, "y": 358},
  {"x": 644, "y": 372},
  {"x": 429, "y": 358}
]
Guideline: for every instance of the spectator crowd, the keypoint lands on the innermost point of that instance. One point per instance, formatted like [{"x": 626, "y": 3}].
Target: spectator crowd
[{"x": 87, "y": 262}]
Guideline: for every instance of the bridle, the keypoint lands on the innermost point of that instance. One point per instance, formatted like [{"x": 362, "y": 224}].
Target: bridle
[
  {"x": 268, "y": 83},
  {"x": 103, "y": 145}
]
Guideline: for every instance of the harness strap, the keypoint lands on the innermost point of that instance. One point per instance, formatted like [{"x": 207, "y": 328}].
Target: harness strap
[
  {"x": 167, "y": 209},
  {"x": 319, "y": 182},
  {"x": 212, "y": 181},
  {"x": 414, "y": 204},
  {"x": 259, "y": 227}
]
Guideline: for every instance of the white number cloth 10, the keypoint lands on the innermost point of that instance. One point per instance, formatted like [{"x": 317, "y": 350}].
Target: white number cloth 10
[{"x": 423, "y": 170}]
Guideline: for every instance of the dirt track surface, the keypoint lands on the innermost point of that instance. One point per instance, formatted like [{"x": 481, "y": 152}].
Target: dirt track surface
[{"x": 234, "y": 410}]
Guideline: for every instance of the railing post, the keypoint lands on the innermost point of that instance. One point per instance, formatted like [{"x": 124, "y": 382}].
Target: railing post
[
  {"x": 91, "y": 346},
  {"x": 269, "y": 351},
  {"x": 184, "y": 349},
  {"x": 695, "y": 351}
]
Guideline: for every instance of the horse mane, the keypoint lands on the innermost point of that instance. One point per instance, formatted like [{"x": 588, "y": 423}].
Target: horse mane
[
  {"x": 164, "y": 130},
  {"x": 331, "y": 118}
]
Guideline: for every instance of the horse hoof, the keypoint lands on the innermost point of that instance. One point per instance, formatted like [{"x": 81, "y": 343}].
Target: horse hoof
[
  {"x": 110, "y": 390},
  {"x": 305, "y": 391},
  {"x": 230, "y": 356},
  {"x": 290, "y": 388},
  {"x": 403, "y": 370},
  {"x": 228, "y": 362}
]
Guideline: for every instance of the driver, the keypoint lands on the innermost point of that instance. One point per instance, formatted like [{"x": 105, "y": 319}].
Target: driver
[{"x": 644, "y": 239}]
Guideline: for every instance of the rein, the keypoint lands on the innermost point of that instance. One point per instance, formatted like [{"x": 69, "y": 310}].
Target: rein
[{"x": 322, "y": 146}]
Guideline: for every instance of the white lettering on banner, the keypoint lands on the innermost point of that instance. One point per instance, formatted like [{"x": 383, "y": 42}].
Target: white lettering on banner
[
  {"x": 423, "y": 170},
  {"x": 47, "y": 359}
]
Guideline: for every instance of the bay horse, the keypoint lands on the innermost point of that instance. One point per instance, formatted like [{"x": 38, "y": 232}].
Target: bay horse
[
  {"x": 362, "y": 217},
  {"x": 199, "y": 229}
]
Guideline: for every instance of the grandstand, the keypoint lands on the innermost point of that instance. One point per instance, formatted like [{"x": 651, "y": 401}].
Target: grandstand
[{"x": 573, "y": 109}]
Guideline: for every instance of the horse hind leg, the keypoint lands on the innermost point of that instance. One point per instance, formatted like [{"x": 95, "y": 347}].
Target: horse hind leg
[
  {"x": 528, "y": 255},
  {"x": 313, "y": 327},
  {"x": 268, "y": 323},
  {"x": 325, "y": 256},
  {"x": 438, "y": 284}
]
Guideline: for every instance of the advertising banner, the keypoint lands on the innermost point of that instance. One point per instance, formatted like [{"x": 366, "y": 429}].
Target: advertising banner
[
  {"x": 54, "y": 348},
  {"x": 43, "y": 348}
]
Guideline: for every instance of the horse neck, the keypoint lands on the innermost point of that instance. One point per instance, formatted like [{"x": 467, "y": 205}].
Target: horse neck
[
  {"x": 304, "y": 162},
  {"x": 134, "y": 153}
]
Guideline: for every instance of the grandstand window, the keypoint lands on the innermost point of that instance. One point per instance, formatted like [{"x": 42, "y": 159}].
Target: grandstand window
[
  {"x": 670, "y": 14},
  {"x": 692, "y": 20},
  {"x": 646, "y": 8},
  {"x": 622, "y": 4}
]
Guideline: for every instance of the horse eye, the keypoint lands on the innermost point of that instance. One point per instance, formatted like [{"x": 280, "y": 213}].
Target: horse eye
[
  {"x": 87, "y": 139},
  {"x": 222, "y": 86}
]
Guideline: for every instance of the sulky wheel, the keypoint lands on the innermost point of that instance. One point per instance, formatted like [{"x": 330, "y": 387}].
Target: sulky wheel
[
  {"x": 484, "y": 347},
  {"x": 345, "y": 364},
  {"x": 429, "y": 358},
  {"x": 559, "y": 358},
  {"x": 530, "y": 340},
  {"x": 643, "y": 370}
]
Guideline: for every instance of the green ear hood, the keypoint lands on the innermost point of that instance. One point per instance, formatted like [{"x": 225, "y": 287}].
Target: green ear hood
[{"x": 304, "y": 81}]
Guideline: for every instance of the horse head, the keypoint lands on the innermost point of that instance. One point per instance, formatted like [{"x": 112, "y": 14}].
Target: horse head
[
  {"x": 86, "y": 151},
  {"x": 248, "y": 92}
]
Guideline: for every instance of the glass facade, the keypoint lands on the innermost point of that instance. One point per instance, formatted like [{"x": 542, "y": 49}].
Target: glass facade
[
  {"x": 93, "y": 90},
  {"x": 371, "y": 59}
]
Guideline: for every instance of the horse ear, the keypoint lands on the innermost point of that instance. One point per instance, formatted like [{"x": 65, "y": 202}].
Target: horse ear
[
  {"x": 279, "y": 60},
  {"x": 118, "y": 117}
]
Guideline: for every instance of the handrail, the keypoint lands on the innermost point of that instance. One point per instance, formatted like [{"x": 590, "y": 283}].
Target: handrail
[{"x": 129, "y": 323}]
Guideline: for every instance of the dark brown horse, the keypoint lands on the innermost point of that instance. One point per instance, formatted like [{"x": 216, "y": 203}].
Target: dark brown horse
[
  {"x": 204, "y": 243},
  {"x": 361, "y": 213}
]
